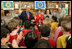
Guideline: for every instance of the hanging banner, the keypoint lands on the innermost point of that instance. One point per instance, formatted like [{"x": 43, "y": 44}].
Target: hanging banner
[
  {"x": 40, "y": 5},
  {"x": 65, "y": 11},
  {"x": 8, "y": 5}
]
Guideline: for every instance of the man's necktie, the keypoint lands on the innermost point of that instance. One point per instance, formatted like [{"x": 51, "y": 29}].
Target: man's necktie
[{"x": 28, "y": 15}]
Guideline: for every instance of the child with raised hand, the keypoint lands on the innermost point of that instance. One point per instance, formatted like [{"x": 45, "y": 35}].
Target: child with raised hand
[
  {"x": 54, "y": 24},
  {"x": 14, "y": 37}
]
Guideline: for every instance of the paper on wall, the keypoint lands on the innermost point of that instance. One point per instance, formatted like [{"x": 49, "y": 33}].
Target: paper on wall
[
  {"x": 16, "y": 6},
  {"x": 56, "y": 6},
  {"x": 66, "y": 6}
]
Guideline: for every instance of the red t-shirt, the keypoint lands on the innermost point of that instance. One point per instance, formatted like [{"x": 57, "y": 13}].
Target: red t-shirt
[
  {"x": 60, "y": 34},
  {"x": 38, "y": 34},
  {"x": 22, "y": 42},
  {"x": 37, "y": 17},
  {"x": 12, "y": 37},
  {"x": 25, "y": 31},
  {"x": 52, "y": 42}
]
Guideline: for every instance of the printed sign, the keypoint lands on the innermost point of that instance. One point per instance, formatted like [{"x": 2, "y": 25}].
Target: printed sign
[
  {"x": 65, "y": 11},
  {"x": 8, "y": 5},
  {"x": 40, "y": 5}
]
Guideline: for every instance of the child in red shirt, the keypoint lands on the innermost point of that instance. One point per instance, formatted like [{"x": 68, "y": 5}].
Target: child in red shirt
[
  {"x": 45, "y": 32},
  {"x": 28, "y": 28}
]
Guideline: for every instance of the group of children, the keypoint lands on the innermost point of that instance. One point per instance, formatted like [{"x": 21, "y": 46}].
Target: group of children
[{"x": 48, "y": 33}]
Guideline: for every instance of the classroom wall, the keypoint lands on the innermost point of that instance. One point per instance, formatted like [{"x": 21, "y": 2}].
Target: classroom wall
[{"x": 33, "y": 4}]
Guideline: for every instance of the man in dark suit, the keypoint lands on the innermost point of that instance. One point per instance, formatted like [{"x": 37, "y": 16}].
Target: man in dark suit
[{"x": 26, "y": 15}]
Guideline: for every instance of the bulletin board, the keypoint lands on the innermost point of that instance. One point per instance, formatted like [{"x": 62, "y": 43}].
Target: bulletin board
[
  {"x": 24, "y": 4},
  {"x": 53, "y": 5}
]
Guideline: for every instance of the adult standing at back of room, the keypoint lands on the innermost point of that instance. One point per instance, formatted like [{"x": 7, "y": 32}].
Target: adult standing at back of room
[
  {"x": 47, "y": 13},
  {"x": 26, "y": 15},
  {"x": 60, "y": 13}
]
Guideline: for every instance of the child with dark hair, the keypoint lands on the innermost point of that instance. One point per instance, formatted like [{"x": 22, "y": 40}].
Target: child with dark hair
[
  {"x": 54, "y": 25},
  {"x": 48, "y": 22},
  {"x": 30, "y": 39},
  {"x": 42, "y": 44},
  {"x": 65, "y": 27},
  {"x": 54, "y": 18},
  {"x": 4, "y": 37},
  {"x": 27, "y": 26},
  {"x": 45, "y": 32},
  {"x": 68, "y": 42}
]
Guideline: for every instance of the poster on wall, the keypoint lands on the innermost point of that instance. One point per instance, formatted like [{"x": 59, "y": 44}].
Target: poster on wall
[
  {"x": 56, "y": 6},
  {"x": 25, "y": 4},
  {"x": 40, "y": 5},
  {"x": 8, "y": 5},
  {"x": 65, "y": 11},
  {"x": 17, "y": 5}
]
